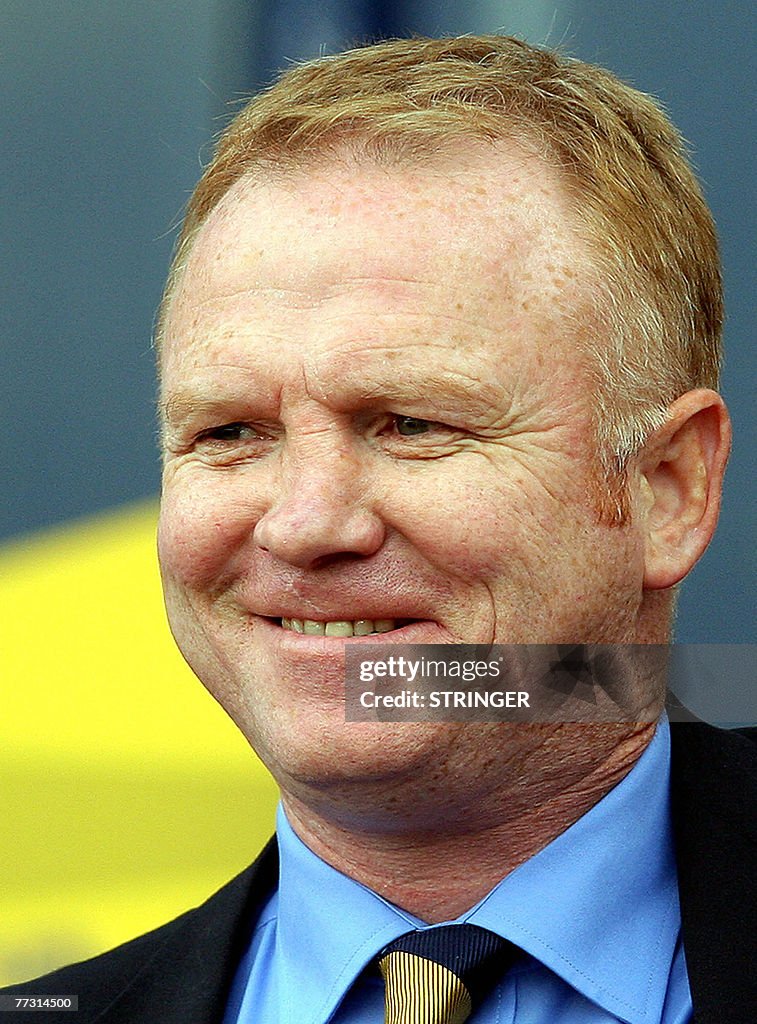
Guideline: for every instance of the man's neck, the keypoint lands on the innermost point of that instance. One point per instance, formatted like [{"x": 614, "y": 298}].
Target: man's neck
[{"x": 438, "y": 873}]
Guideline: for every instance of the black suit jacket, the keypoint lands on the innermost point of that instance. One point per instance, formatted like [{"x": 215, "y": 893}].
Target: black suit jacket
[{"x": 181, "y": 973}]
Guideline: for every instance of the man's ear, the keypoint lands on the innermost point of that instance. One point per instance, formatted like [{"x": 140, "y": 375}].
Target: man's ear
[{"x": 681, "y": 471}]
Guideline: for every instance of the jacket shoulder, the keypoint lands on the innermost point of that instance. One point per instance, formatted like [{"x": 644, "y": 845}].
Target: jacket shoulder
[
  {"x": 714, "y": 808},
  {"x": 704, "y": 756},
  {"x": 170, "y": 970},
  {"x": 98, "y": 979}
]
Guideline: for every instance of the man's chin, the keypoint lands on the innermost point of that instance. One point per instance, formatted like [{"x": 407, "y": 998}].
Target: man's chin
[{"x": 351, "y": 756}]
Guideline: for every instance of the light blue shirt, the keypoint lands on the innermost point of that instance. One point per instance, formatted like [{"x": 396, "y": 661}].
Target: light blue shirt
[{"x": 596, "y": 911}]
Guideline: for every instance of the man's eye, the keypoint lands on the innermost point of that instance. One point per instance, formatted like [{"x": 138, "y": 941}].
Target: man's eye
[
  {"x": 226, "y": 432},
  {"x": 408, "y": 426}
]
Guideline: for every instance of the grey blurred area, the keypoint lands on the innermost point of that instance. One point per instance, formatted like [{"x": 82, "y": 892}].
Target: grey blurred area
[{"x": 108, "y": 111}]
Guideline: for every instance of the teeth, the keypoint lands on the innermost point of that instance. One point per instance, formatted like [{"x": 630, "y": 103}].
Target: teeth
[
  {"x": 339, "y": 629},
  {"x": 359, "y": 627}
]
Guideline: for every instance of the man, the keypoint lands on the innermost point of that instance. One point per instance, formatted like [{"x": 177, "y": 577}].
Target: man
[{"x": 438, "y": 355}]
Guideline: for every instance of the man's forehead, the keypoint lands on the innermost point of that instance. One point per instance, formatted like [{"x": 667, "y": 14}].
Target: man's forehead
[
  {"x": 344, "y": 256},
  {"x": 506, "y": 206}
]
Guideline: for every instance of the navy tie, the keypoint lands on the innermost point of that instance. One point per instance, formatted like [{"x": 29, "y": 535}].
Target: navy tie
[{"x": 440, "y": 975}]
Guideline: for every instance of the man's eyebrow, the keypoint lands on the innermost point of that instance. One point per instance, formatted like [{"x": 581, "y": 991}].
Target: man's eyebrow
[
  {"x": 182, "y": 406},
  {"x": 456, "y": 388},
  {"x": 448, "y": 389}
]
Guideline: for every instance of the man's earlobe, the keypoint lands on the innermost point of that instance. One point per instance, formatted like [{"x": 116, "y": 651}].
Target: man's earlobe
[{"x": 682, "y": 469}]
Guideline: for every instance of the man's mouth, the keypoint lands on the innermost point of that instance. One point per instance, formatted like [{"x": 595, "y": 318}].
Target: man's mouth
[{"x": 342, "y": 627}]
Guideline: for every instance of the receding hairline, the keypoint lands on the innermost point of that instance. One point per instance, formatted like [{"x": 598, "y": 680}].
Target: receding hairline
[
  {"x": 658, "y": 301},
  {"x": 455, "y": 156}
]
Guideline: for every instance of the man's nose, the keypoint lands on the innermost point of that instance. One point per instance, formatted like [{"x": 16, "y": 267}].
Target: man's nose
[{"x": 321, "y": 512}]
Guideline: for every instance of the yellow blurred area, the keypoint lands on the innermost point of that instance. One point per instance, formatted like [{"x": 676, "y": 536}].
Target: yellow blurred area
[{"x": 126, "y": 794}]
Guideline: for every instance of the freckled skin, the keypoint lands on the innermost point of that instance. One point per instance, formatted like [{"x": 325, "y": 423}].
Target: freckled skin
[{"x": 310, "y": 311}]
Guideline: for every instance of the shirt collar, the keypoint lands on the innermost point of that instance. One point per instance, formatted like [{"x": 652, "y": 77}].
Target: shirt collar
[
  {"x": 598, "y": 905},
  {"x": 329, "y": 926}
]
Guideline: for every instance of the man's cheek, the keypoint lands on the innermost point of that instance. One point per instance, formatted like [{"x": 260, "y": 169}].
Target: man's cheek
[
  {"x": 473, "y": 529},
  {"x": 195, "y": 539}
]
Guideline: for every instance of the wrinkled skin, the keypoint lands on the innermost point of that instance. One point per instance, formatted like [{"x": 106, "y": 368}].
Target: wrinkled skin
[{"x": 316, "y": 315}]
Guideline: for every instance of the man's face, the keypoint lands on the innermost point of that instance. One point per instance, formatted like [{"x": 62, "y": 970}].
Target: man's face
[{"x": 378, "y": 414}]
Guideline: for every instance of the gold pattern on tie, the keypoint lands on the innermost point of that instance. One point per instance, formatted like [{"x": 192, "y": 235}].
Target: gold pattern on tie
[
  {"x": 440, "y": 975},
  {"x": 419, "y": 991}
]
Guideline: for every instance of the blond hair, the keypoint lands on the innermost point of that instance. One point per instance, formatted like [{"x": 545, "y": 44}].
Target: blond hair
[{"x": 657, "y": 295}]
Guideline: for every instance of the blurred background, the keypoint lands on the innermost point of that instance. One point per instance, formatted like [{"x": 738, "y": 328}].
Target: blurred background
[{"x": 125, "y": 794}]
